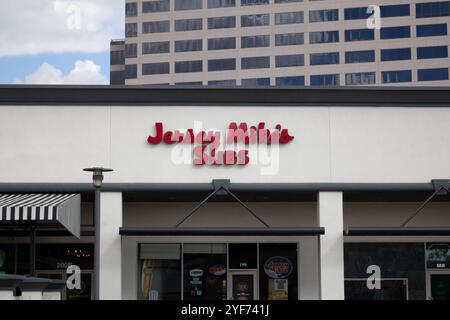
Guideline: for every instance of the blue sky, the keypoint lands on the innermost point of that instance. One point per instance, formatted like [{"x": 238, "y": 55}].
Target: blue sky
[{"x": 58, "y": 41}]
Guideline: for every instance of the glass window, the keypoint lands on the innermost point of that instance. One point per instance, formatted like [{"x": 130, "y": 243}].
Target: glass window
[
  {"x": 253, "y": 2},
  {"x": 221, "y": 64},
  {"x": 256, "y": 82},
  {"x": 188, "y": 45},
  {"x": 205, "y": 271},
  {"x": 188, "y": 66},
  {"x": 290, "y": 81},
  {"x": 287, "y": 1},
  {"x": 432, "y": 52},
  {"x": 188, "y": 24},
  {"x": 289, "y": 39},
  {"x": 324, "y": 15},
  {"x": 360, "y": 56},
  {"x": 356, "y": 13},
  {"x": 155, "y": 6},
  {"x": 222, "y": 43},
  {"x": 159, "y": 272},
  {"x": 255, "y": 20},
  {"x": 222, "y": 22},
  {"x": 223, "y": 83},
  {"x": 131, "y": 50},
  {"x": 131, "y": 9},
  {"x": 360, "y": 78},
  {"x": 130, "y": 71},
  {"x": 390, "y": 289},
  {"x": 289, "y": 17},
  {"x": 131, "y": 30},
  {"x": 221, "y": 3},
  {"x": 155, "y": 47},
  {"x": 359, "y": 35},
  {"x": 396, "y": 54},
  {"x": 396, "y": 76},
  {"x": 433, "y": 9},
  {"x": 433, "y": 74},
  {"x": 255, "y": 41},
  {"x": 278, "y": 278},
  {"x": 117, "y": 57},
  {"x": 395, "y": 32},
  {"x": 255, "y": 63},
  {"x": 243, "y": 255},
  {"x": 156, "y": 26},
  {"x": 7, "y": 258},
  {"x": 291, "y": 60},
  {"x": 431, "y": 30},
  {"x": 324, "y": 80},
  {"x": 323, "y": 58},
  {"x": 189, "y": 83},
  {"x": 188, "y": 4},
  {"x": 396, "y": 10},
  {"x": 117, "y": 78},
  {"x": 155, "y": 68},
  {"x": 324, "y": 36}
]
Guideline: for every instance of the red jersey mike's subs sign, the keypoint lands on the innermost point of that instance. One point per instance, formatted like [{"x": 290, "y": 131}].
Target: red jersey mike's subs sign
[{"x": 215, "y": 148}]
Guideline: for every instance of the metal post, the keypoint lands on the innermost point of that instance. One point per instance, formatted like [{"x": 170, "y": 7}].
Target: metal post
[
  {"x": 97, "y": 245},
  {"x": 33, "y": 250}
]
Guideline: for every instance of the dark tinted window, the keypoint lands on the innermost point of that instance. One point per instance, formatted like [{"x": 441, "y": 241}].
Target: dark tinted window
[
  {"x": 289, "y": 17},
  {"x": 255, "y": 41},
  {"x": 155, "y": 47},
  {"x": 222, "y": 43},
  {"x": 117, "y": 77},
  {"x": 155, "y": 68},
  {"x": 360, "y": 78},
  {"x": 221, "y": 64},
  {"x": 432, "y": 52},
  {"x": 188, "y": 4},
  {"x": 359, "y": 35},
  {"x": 291, "y": 60},
  {"x": 255, "y": 62},
  {"x": 324, "y": 15},
  {"x": 156, "y": 27},
  {"x": 256, "y": 82},
  {"x": 222, "y": 22},
  {"x": 131, "y": 30},
  {"x": 131, "y": 50},
  {"x": 188, "y": 24},
  {"x": 253, "y": 2},
  {"x": 433, "y": 9},
  {"x": 290, "y": 81},
  {"x": 324, "y": 80},
  {"x": 395, "y": 54},
  {"x": 131, "y": 9},
  {"x": 221, "y": 3},
  {"x": 396, "y": 10},
  {"x": 324, "y": 58},
  {"x": 117, "y": 57},
  {"x": 188, "y": 45},
  {"x": 130, "y": 71},
  {"x": 188, "y": 66},
  {"x": 395, "y": 32},
  {"x": 360, "y": 56},
  {"x": 156, "y": 6},
  {"x": 324, "y": 36},
  {"x": 289, "y": 39},
  {"x": 356, "y": 13},
  {"x": 433, "y": 74},
  {"x": 431, "y": 30},
  {"x": 255, "y": 20},
  {"x": 396, "y": 76},
  {"x": 242, "y": 255}
]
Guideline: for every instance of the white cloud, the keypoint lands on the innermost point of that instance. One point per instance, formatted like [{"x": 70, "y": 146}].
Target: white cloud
[
  {"x": 59, "y": 26},
  {"x": 84, "y": 72}
]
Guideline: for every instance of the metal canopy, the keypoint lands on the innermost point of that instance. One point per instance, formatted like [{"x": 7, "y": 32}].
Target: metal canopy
[
  {"x": 397, "y": 231},
  {"x": 311, "y": 231}
]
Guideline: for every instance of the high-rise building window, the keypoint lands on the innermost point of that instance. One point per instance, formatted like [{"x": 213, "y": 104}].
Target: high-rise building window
[
  {"x": 396, "y": 76},
  {"x": 117, "y": 57},
  {"x": 359, "y": 35},
  {"x": 289, "y": 17},
  {"x": 432, "y": 74},
  {"x": 290, "y": 81},
  {"x": 433, "y": 9},
  {"x": 432, "y": 52},
  {"x": 323, "y": 58},
  {"x": 155, "y": 47},
  {"x": 255, "y": 41},
  {"x": 155, "y": 6},
  {"x": 324, "y": 80},
  {"x": 222, "y": 83},
  {"x": 222, "y": 43},
  {"x": 221, "y": 3},
  {"x": 189, "y": 83},
  {"x": 396, "y": 54},
  {"x": 324, "y": 15},
  {"x": 324, "y": 36},
  {"x": 221, "y": 64},
  {"x": 131, "y": 71},
  {"x": 255, "y": 63},
  {"x": 255, "y": 20},
  {"x": 287, "y": 1},
  {"x": 155, "y": 68},
  {"x": 131, "y": 9},
  {"x": 131, "y": 30},
  {"x": 360, "y": 78},
  {"x": 188, "y": 45},
  {"x": 432, "y": 30},
  {"x": 188, "y": 66},
  {"x": 256, "y": 82},
  {"x": 396, "y": 10},
  {"x": 131, "y": 50},
  {"x": 253, "y": 2},
  {"x": 290, "y": 60},
  {"x": 222, "y": 22},
  {"x": 156, "y": 26},
  {"x": 356, "y": 13},
  {"x": 360, "y": 56},
  {"x": 117, "y": 78},
  {"x": 188, "y": 4},
  {"x": 289, "y": 39},
  {"x": 395, "y": 32},
  {"x": 188, "y": 24}
]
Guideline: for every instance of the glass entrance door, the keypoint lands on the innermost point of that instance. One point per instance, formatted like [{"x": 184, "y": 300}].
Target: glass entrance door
[
  {"x": 243, "y": 285},
  {"x": 439, "y": 285}
]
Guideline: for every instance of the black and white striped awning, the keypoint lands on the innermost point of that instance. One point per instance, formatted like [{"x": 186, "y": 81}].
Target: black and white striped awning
[{"x": 62, "y": 208}]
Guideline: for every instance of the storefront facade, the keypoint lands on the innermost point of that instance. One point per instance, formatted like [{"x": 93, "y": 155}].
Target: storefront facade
[{"x": 327, "y": 194}]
